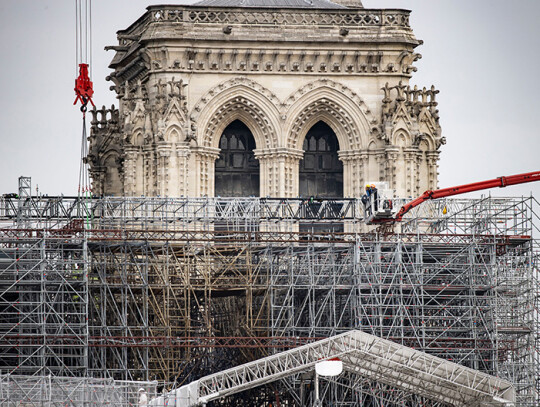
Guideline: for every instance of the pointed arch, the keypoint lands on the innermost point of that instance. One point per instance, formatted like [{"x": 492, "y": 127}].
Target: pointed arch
[
  {"x": 373, "y": 145},
  {"x": 134, "y": 135},
  {"x": 320, "y": 170},
  {"x": 336, "y": 105},
  {"x": 138, "y": 138},
  {"x": 237, "y": 99},
  {"x": 174, "y": 134},
  {"x": 429, "y": 130},
  {"x": 401, "y": 138},
  {"x": 236, "y": 171}
]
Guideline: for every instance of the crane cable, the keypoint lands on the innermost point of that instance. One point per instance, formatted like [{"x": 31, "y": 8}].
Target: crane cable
[
  {"x": 84, "y": 91},
  {"x": 83, "y": 34}
]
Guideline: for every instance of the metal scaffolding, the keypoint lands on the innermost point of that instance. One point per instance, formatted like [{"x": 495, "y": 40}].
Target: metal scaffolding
[
  {"x": 50, "y": 391},
  {"x": 145, "y": 295},
  {"x": 43, "y": 303},
  {"x": 465, "y": 299},
  {"x": 176, "y": 289}
]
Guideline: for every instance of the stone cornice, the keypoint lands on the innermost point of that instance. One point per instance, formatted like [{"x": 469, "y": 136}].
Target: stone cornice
[
  {"x": 208, "y": 152},
  {"x": 345, "y": 29},
  {"x": 282, "y": 25},
  {"x": 279, "y": 152},
  {"x": 339, "y": 59},
  {"x": 346, "y": 155},
  {"x": 131, "y": 149}
]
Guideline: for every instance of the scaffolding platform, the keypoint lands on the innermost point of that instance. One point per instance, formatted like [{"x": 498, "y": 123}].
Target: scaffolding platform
[{"x": 172, "y": 290}]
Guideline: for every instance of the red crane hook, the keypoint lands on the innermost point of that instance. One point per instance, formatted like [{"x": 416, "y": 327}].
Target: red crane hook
[{"x": 83, "y": 88}]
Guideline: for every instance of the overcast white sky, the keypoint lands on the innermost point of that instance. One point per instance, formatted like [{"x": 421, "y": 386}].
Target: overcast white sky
[{"x": 483, "y": 55}]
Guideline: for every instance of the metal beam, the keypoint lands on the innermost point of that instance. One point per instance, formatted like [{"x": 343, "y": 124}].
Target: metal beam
[{"x": 365, "y": 356}]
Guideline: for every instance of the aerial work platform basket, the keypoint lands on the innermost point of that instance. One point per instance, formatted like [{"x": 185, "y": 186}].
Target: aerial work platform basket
[{"x": 378, "y": 203}]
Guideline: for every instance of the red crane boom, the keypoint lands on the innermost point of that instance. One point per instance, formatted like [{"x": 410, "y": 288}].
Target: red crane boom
[{"x": 500, "y": 182}]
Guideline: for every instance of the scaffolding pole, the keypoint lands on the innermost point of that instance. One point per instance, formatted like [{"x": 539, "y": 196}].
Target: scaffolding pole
[{"x": 175, "y": 289}]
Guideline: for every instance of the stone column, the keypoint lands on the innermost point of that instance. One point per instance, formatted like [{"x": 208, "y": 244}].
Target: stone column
[
  {"x": 163, "y": 154},
  {"x": 182, "y": 168},
  {"x": 432, "y": 167},
  {"x": 97, "y": 174},
  {"x": 140, "y": 185},
  {"x": 390, "y": 173},
  {"x": 268, "y": 169},
  {"x": 279, "y": 179},
  {"x": 148, "y": 171},
  {"x": 419, "y": 182},
  {"x": 410, "y": 170},
  {"x": 291, "y": 181},
  {"x": 349, "y": 168},
  {"x": 279, "y": 171},
  {"x": 355, "y": 172},
  {"x": 205, "y": 158},
  {"x": 130, "y": 169},
  {"x": 364, "y": 175},
  {"x": 355, "y": 176}
]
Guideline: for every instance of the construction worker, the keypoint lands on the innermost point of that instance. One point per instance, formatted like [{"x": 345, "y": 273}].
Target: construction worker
[
  {"x": 143, "y": 398},
  {"x": 375, "y": 194},
  {"x": 366, "y": 199},
  {"x": 371, "y": 204},
  {"x": 368, "y": 192}
]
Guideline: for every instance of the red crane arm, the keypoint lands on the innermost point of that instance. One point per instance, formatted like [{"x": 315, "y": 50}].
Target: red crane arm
[{"x": 500, "y": 182}]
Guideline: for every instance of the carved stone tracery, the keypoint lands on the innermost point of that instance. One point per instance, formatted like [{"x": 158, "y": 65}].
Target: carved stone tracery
[
  {"x": 105, "y": 155},
  {"x": 164, "y": 140},
  {"x": 410, "y": 119},
  {"x": 238, "y": 98},
  {"x": 305, "y": 17}
]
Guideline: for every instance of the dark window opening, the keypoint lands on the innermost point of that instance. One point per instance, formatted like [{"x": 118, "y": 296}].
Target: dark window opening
[
  {"x": 321, "y": 176},
  {"x": 236, "y": 169},
  {"x": 321, "y": 171}
]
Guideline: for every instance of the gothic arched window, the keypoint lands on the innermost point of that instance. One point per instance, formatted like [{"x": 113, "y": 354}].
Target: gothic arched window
[
  {"x": 236, "y": 169},
  {"x": 321, "y": 171}
]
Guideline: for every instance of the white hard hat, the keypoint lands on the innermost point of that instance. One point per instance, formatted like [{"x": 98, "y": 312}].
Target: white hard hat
[{"x": 142, "y": 389}]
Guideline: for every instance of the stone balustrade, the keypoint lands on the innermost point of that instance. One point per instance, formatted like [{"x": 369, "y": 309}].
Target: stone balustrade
[{"x": 264, "y": 16}]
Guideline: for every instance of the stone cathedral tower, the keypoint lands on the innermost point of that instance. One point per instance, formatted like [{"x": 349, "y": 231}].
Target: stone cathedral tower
[{"x": 280, "y": 98}]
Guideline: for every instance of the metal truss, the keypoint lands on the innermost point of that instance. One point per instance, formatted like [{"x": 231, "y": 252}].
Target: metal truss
[
  {"x": 54, "y": 391},
  {"x": 364, "y": 391},
  {"x": 177, "y": 213},
  {"x": 365, "y": 356},
  {"x": 450, "y": 299},
  {"x": 495, "y": 216}
]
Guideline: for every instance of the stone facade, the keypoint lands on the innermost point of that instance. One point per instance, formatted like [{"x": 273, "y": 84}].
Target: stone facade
[{"x": 182, "y": 74}]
